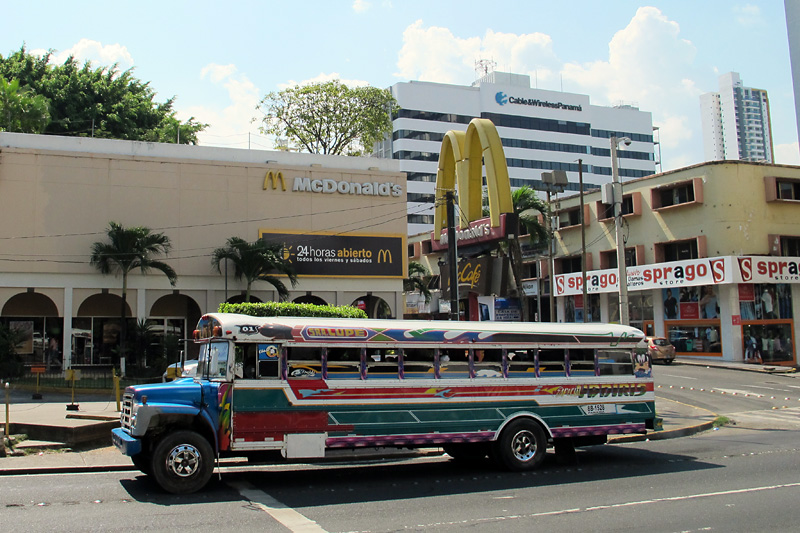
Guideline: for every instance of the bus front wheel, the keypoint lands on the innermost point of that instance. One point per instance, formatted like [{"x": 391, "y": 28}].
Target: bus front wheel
[
  {"x": 522, "y": 445},
  {"x": 182, "y": 462}
]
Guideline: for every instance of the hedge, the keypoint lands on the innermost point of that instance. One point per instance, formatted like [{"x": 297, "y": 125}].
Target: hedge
[{"x": 292, "y": 309}]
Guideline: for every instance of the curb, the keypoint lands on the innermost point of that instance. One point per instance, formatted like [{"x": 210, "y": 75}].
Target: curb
[{"x": 663, "y": 435}]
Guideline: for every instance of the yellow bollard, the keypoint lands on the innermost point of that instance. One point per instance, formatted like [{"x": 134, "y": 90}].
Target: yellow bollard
[
  {"x": 116, "y": 389},
  {"x": 8, "y": 403}
]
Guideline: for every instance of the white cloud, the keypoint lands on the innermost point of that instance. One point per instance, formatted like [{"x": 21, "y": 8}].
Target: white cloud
[
  {"x": 748, "y": 15},
  {"x": 661, "y": 83},
  {"x": 218, "y": 72},
  {"x": 649, "y": 65},
  {"x": 359, "y": 6},
  {"x": 322, "y": 78},
  {"x": 229, "y": 125},
  {"x": 94, "y": 51},
  {"x": 787, "y": 154}
]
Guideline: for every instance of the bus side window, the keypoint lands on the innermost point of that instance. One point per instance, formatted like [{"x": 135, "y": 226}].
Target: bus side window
[
  {"x": 521, "y": 364},
  {"x": 344, "y": 363},
  {"x": 382, "y": 363},
  {"x": 418, "y": 363},
  {"x": 615, "y": 362},
  {"x": 304, "y": 362},
  {"x": 454, "y": 363},
  {"x": 268, "y": 360},
  {"x": 488, "y": 363},
  {"x": 245, "y": 366},
  {"x": 581, "y": 362},
  {"x": 551, "y": 363}
]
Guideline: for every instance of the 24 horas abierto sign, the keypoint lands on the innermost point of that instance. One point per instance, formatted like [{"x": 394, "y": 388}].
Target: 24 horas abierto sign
[{"x": 355, "y": 256}]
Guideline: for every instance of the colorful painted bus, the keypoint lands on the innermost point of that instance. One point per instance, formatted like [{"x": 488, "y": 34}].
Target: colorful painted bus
[{"x": 297, "y": 388}]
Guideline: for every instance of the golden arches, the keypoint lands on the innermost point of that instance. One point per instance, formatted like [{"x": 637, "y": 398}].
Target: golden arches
[{"x": 461, "y": 162}]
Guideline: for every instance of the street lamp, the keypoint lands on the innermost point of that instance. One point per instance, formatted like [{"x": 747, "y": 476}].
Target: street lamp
[{"x": 622, "y": 268}]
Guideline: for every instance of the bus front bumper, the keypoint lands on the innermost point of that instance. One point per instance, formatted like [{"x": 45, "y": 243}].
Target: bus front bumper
[{"x": 126, "y": 444}]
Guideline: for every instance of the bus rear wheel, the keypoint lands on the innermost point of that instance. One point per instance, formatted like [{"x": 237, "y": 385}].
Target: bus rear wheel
[
  {"x": 182, "y": 462},
  {"x": 522, "y": 445}
]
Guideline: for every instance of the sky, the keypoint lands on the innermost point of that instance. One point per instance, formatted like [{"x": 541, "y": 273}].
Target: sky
[{"x": 219, "y": 59}]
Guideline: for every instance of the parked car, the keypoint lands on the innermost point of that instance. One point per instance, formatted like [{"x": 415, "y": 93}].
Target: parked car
[{"x": 660, "y": 349}]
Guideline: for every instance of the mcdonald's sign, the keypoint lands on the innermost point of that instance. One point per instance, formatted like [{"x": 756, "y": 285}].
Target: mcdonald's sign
[
  {"x": 354, "y": 256},
  {"x": 384, "y": 256},
  {"x": 461, "y": 160},
  {"x": 272, "y": 178}
]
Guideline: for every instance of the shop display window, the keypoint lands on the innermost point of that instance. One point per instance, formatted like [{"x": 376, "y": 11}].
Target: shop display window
[
  {"x": 767, "y": 343},
  {"x": 695, "y": 338},
  {"x": 575, "y": 309},
  {"x": 765, "y": 301}
]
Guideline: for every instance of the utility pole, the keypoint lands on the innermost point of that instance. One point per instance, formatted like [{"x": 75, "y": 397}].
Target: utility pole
[
  {"x": 622, "y": 268},
  {"x": 583, "y": 243},
  {"x": 452, "y": 254}
]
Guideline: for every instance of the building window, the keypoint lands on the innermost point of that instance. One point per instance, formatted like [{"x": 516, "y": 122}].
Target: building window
[
  {"x": 631, "y": 205},
  {"x": 569, "y": 217},
  {"x": 420, "y": 219},
  {"x": 420, "y": 197},
  {"x": 678, "y": 250},
  {"x": 608, "y": 258},
  {"x": 569, "y": 265},
  {"x": 790, "y": 246},
  {"x": 788, "y": 189},
  {"x": 687, "y": 192}
]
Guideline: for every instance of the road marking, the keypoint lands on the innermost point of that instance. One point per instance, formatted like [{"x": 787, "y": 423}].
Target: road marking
[
  {"x": 678, "y": 377},
  {"x": 474, "y": 521},
  {"x": 287, "y": 516}
]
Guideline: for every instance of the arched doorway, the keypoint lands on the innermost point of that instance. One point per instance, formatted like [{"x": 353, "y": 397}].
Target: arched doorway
[
  {"x": 36, "y": 316},
  {"x": 171, "y": 321},
  {"x": 309, "y": 299},
  {"x": 374, "y": 306},
  {"x": 96, "y": 330}
]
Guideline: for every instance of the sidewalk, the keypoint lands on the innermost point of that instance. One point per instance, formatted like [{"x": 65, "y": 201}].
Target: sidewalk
[{"x": 98, "y": 414}]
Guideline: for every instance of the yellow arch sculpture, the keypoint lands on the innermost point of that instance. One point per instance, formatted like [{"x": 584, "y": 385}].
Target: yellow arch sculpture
[{"x": 461, "y": 162}]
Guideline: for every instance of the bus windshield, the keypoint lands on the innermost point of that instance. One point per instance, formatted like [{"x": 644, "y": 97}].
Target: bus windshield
[{"x": 213, "y": 360}]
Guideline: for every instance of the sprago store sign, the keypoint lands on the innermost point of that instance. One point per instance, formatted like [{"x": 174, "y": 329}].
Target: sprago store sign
[
  {"x": 352, "y": 256},
  {"x": 693, "y": 272}
]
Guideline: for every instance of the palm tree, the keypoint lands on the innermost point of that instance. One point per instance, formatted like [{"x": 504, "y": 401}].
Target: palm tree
[
  {"x": 259, "y": 260},
  {"x": 528, "y": 207},
  {"x": 417, "y": 280},
  {"x": 131, "y": 249}
]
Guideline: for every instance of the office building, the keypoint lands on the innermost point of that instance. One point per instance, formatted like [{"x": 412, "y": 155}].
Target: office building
[
  {"x": 541, "y": 131},
  {"x": 736, "y": 122}
]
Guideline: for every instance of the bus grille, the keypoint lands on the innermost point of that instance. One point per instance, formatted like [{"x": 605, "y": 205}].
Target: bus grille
[{"x": 125, "y": 413}]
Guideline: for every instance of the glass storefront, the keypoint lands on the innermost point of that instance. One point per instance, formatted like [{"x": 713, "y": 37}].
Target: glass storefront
[
  {"x": 575, "y": 309},
  {"x": 766, "y": 314},
  {"x": 41, "y": 343}
]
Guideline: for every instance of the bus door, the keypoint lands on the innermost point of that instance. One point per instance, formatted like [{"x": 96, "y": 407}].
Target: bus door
[{"x": 256, "y": 393}]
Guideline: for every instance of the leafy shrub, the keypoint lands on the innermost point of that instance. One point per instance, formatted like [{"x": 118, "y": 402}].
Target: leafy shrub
[{"x": 291, "y": 309}]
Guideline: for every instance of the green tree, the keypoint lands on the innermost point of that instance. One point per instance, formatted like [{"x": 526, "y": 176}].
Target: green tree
[
  {"x": 99, "y": 102},
  {"x": 131, "y": 249},
  {"x": 417, "y": 281},
  {"x": 259, "y": 260},
  {"x": 20, "y": 110},
  {"x": 529, "y": 208},
  {"x": 329, "y": 117}
]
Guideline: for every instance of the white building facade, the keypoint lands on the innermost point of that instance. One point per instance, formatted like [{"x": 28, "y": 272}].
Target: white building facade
[
  {"x": 736, "y": 122},
  {"x": 541, "y": 131}
]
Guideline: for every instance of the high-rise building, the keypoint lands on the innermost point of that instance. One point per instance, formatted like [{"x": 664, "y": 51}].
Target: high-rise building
[
  {"x": 736, "y": 123},
  {"x": 541, "y": 131},
  {"x": 792, "y": 8}
]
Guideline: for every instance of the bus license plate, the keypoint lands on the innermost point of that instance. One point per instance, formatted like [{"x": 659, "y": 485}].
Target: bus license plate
[{"x": 594, "y": 409}]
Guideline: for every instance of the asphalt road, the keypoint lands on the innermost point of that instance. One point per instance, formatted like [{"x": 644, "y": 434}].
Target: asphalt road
[{"x": 739, "y": 478}]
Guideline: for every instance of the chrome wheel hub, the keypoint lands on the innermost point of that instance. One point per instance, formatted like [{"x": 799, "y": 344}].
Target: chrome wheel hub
[{"x": 183, "y": 460}]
